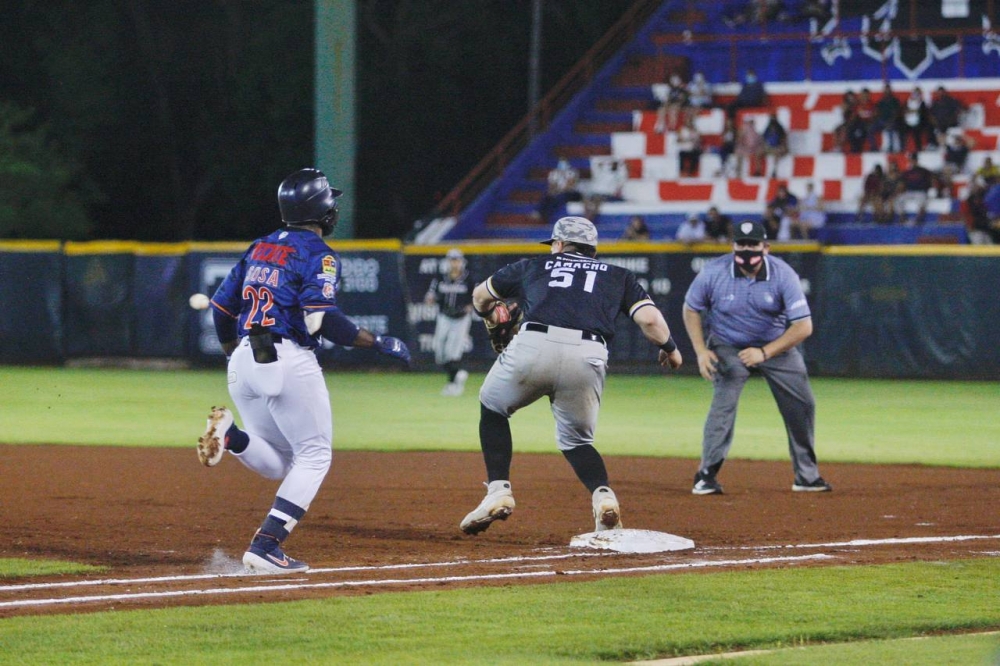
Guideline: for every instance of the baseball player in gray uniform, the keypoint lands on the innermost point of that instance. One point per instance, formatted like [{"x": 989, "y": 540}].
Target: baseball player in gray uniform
[
  {"x": 756, "y": 314},
  {"x": 570, "y": 300},
  {"x": 452, "y": 293}
]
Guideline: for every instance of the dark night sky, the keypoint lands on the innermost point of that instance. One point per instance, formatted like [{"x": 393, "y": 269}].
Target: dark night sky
[{"x": 177, "y": 120}]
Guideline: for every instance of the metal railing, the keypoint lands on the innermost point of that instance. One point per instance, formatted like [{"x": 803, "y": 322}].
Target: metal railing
[{"x": 539, "y": 118}]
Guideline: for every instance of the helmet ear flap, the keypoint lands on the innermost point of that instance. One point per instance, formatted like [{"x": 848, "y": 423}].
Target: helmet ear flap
[{"x": 329, "y": 221}]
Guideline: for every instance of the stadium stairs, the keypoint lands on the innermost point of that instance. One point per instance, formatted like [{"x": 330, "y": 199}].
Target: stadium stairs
[{"x": 614, "y": 116}]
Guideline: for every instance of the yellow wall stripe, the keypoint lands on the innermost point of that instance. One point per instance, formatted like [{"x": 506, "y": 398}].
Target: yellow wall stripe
[{"x": 29, "y": 246}]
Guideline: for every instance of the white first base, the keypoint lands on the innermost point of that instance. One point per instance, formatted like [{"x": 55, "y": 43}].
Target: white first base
[{"x": 631, "y": 541}]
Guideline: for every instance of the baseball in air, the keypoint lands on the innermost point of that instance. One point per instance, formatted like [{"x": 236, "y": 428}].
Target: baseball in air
[{"x": 198, "y": 301}]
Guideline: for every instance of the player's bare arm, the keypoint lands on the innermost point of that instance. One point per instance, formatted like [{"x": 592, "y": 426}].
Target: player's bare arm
[
  {"x": 655, "y": 328},
  {"x": 799, "y": 330},
  {"x": 484, "y": 303}
]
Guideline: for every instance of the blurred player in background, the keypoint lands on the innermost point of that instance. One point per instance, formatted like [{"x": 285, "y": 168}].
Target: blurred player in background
[
  {"x": 570, "y": 301},
  {"x": 453, "y": 295},
  {"x": 269, "y": 314}
]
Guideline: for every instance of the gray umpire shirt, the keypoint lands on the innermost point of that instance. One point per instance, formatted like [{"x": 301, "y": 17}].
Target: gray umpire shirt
[{"x": 747, "y": 312}]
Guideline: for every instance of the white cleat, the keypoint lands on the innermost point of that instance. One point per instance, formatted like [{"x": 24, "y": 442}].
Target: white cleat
[
  {"x": 497, "y": 505},
  {"x": 212, "y": 444},
  {"x": 607, "y": 512}
]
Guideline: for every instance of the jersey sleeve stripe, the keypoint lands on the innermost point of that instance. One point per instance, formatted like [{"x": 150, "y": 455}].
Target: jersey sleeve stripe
[
  {"x": 641, "y": 304},
  {"x": 489, "y": 288},
  {"x": 319, "y": 306},
  {"x": 224, "y": 310}
]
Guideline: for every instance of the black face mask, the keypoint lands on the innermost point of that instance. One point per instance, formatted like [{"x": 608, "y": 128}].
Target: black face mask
[{"x": 749, "y": 259}]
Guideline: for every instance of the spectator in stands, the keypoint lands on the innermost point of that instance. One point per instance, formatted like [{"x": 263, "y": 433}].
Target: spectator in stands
[
  {"x": 771, "y": 223},
  {"x": 757, "y": 12},
  {"x": 945, "y": 112},
  {"x": 688, "y": 148},
  {"x": 727, "y": 146},
  {"x": 862, "y": 129},
  {"x": 916, "y": 121},
  {"x": 992, "y": 202},
  {"x": 671, "y": 114},
  {"x": 608, "y": 176},
  {"x": 891, "y": 188},
  {"x": 637, "y": 229},
  {"x": 692, "y": 231},
  {"x": 563, "y": 186},
  {"x": 749, "y": 150},
  {"x": 775, "y": 141},
  {"x": 915, "y": 184},
  {"x": 783, "y": 209},
  {"x": 751, "y": 94},
  {"x": 848, "y": 113},
  {"x": 812, "y": 214},
  {"x": 718, "y": 227},
  {"x": 957, "y": 147},
  {"x": 871, "y": 194},
  {"x": 988, "y": 173},
  {"x": 888, "y": 116},
  {"x": 700, "y": 92},
  {"x": 982, "y": 230}
]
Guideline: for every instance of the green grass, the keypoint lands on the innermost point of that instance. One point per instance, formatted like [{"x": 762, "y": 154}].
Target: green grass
[
  {"x": 13, "y": 567},
  {"x": 932, "y": 651},
  {"x": 613, "y": 619},
  {"x": 885, "y": 421}
]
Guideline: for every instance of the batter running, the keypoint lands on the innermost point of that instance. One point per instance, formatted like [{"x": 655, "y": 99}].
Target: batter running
[
  {"x": 570, "y": 300},
  {"x": 269, "y": 314}
]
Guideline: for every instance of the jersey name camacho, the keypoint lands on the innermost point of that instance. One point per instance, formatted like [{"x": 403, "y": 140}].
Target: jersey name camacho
[{"x": 571, "y": 291}]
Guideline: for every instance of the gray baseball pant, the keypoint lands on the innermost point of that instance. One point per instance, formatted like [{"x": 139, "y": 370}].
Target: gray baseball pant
[
  {"x": 450, "y": 338},
  {"x": 789, "y": 382},
  {"x": 558, "y": 364}
]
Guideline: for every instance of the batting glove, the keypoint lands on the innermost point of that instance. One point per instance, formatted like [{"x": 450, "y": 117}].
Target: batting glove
[{"x": 393, "y": 347}]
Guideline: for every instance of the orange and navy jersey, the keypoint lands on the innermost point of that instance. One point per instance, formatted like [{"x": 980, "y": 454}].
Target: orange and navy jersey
[{"x": 280, "y": 279}]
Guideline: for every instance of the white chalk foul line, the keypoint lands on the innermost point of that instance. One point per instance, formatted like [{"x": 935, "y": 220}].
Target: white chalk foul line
[
  {"x": 243, "y": 574},
  {"x": 864, "y": 542},
  {"x": 497, "y": 560},
  {"x": 404, "y": 581}
]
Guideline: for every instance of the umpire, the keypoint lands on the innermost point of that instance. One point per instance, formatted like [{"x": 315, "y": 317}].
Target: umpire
[
  {"x": 569, "y": 301},
  {"x": 756, "y": 316}
]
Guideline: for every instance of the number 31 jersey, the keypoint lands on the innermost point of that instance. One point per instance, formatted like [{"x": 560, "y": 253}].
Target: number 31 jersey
[
  {"x": 571, "y": 291},
  {"x": 280, "y": 279}
]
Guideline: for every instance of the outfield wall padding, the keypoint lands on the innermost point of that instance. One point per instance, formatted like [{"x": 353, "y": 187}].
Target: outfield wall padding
[{"x": 913, "y": 312}]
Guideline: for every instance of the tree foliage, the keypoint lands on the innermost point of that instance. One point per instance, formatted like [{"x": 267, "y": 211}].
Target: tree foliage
[
  {"x": 42, "y": 195},
  {"x": 186, "y": 115}
]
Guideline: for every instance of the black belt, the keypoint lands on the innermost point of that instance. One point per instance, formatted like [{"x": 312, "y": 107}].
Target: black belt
[{"x": 586, "y": 335}]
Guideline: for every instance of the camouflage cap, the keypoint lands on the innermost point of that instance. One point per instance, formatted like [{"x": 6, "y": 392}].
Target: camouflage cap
[
  {"x": 455, "y": 253},
  {"x": 578, "y": 230}
]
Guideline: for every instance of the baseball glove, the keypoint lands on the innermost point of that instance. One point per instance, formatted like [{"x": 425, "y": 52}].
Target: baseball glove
[{"x": 508, "y": 322}]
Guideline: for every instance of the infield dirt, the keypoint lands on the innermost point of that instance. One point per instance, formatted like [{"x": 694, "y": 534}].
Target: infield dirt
[{"x": 157, "y": 512}]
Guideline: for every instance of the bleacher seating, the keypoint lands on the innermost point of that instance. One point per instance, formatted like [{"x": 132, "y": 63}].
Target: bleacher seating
[{"x": 618, "y": 119}]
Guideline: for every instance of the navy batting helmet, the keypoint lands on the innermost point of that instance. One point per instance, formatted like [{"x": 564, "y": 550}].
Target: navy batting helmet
[{"x": 305, "y": 197}]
